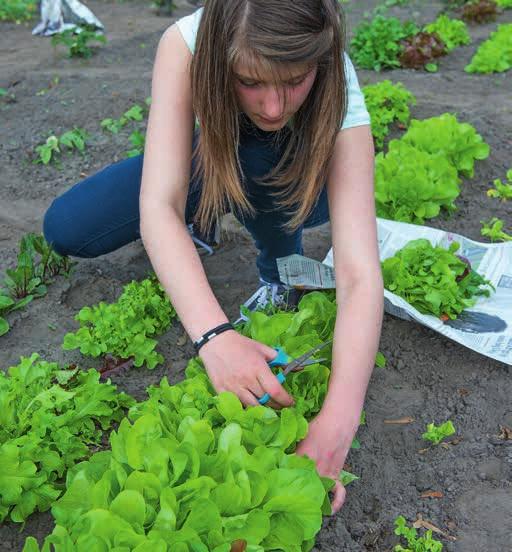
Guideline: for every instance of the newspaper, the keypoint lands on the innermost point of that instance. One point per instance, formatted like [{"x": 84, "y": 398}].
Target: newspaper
[{"x": 486, "y": 327}]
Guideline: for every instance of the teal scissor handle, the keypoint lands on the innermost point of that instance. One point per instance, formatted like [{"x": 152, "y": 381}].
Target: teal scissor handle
[{"x": 282, "y": 359}]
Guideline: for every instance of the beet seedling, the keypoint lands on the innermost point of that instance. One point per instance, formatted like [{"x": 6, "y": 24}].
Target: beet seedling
[
  {"x": 37, "y": 264},
  {"x": 77, "y": 41},
  {"x": 71, "y": 140},
  {"x": 135, "y": 113},
  {"x": 138, "y": 141}
]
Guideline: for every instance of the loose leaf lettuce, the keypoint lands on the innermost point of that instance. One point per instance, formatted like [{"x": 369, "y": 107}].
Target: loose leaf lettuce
[
  {"x": 433, "y": 279},
  {"x": 412, "y": 185},
  {"x": 458, "y": 142},
  {"x": 387, "y": 102},
  {"x": 495, "y": 54},
  {"x": 49, "y": 419},
  {"x": 125, "y": 329}
]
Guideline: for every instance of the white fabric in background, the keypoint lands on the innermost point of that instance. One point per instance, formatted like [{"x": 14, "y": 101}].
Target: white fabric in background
[{"x": 60, "y": 15}]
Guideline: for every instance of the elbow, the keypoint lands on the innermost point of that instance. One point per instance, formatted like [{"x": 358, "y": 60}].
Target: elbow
[{"x": 366, "y": 280}]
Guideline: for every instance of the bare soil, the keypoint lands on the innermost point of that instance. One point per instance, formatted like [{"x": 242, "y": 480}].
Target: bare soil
[{"x": 427, "y": 377}]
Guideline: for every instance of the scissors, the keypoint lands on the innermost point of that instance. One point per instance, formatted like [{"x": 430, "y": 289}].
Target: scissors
[{"x": 288, "y": 364}]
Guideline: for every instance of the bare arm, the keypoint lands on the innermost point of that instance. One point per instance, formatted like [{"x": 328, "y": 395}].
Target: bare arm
[
  {"x": 359, "y": 297},
  {"x": 165, "y": 182},
  {"x": 234, "y": 363},
  {"x": 359, "y": 287}
]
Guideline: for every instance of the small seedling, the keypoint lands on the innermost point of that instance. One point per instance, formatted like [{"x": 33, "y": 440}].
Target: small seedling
[
  {"x": 138, "y": 140},
  {"x": 7, "y": 96},
  {"x": 48, "y": 150},
  {"x": 71, "y": 140},
  {"x": 426, "y": 543},
  {"x": 502, "y": 190},
  {"x": 135, "y": 113},
  {"x": 436, "y": 434},
  {"x": 37, "y": 264},
  {"x": 77, "y": 40},
  {"x": 74, "y": 139},
  {"x": 493, "y": 229}
]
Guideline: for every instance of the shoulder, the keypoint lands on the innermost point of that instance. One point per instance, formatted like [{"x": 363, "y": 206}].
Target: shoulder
[{"x": 188, "y": 27}]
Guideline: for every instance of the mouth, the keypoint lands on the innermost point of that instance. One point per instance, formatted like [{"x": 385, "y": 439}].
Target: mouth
[{"x": 271, "y": 122}]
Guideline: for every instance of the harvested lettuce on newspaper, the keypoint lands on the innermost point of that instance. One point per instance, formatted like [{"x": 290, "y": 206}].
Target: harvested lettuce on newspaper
[{"x": 485, "y": 327}]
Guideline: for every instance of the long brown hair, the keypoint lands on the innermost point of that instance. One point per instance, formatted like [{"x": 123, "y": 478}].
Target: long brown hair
[{"x": 276, "y": 33}]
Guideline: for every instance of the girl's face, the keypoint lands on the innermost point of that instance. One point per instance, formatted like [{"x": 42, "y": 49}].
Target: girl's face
[{"x": 264, "y": 102}]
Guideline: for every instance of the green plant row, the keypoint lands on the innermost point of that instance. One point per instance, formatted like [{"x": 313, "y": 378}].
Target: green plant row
[
  {"x": 495, "y": 54},
  {"x": 387, "y": 43},
  {"x": 50, "y": 418},
  {"x": 419, "y": 175},
  {"x": 190, "y": 470},
  {"x": 76, "y": 139},
  {"x": 37, "y": 265},
  {"x": 125, "y": 329},
  {"x": 17, "y": 10}
]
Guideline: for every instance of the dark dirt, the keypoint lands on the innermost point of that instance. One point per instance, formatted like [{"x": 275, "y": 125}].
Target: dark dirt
[{"x": 427, "y": 377}]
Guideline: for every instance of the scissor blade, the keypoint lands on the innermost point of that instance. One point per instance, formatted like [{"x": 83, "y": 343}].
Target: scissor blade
[
  {"x": 309, "y": 363},
  {"x": 300, "y": 361}
]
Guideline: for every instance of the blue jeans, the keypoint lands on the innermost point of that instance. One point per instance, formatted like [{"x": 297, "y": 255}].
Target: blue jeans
[{"x": 101, "y": 213}]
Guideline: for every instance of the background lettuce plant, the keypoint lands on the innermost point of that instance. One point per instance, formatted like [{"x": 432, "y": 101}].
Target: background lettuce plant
[
  {"x": 453, "y": 32},
  {"x": 412, "y": 185},
  {"x": 386, "y": 103},
  {"x": 458, "y": 142},
  {"x": 376, "y": 43},
  {"x": 495, "y": 54}
]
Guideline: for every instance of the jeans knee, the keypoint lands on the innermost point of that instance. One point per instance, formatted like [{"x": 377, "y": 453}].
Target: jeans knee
[{"x": 58, "y": 232}]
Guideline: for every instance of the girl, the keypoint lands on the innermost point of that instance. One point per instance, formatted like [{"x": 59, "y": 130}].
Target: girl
[{"x": 284, "y": 143}]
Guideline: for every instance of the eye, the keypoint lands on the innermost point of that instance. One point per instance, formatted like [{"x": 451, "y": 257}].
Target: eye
[
  {"x": 248, "y": 84},
  {"x": 295, "y": 83}
]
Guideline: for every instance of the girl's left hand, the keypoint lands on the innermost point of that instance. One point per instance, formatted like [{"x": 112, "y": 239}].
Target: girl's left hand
[{"x": 328, "y": 446}]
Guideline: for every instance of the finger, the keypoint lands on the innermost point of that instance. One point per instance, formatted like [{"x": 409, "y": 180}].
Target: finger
[
  {"x": 268, "y": 352},
  {"x": 256, "y": 389},
  {"x": 247, "y": 398},
  {"x": 272, "y": 386},
  {"x": 339, "y": 497}
]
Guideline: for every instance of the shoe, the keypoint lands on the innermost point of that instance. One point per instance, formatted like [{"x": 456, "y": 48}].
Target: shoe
[
  {"x": 271, "y": 296},
  {"x": 205, "y": 245}
]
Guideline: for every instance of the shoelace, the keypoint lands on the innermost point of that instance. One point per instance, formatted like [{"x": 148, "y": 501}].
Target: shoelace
[{"x": 199, "y": 242}]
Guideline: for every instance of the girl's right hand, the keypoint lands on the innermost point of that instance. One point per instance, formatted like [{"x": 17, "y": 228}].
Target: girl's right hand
[{"x": 239, "y": 364}]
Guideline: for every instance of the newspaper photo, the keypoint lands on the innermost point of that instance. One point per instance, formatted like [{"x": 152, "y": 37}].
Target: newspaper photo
[{"x": 486, "y": 327}]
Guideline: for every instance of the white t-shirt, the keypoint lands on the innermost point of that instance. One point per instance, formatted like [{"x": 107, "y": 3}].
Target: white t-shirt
[{"x": 357, "y": 113}]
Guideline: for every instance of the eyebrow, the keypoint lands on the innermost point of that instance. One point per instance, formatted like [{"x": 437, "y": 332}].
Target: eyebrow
[{"x": 245, "y": 77}]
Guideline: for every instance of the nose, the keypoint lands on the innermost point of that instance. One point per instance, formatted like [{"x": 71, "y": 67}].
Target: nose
[{"x": 273, "y": 104}]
